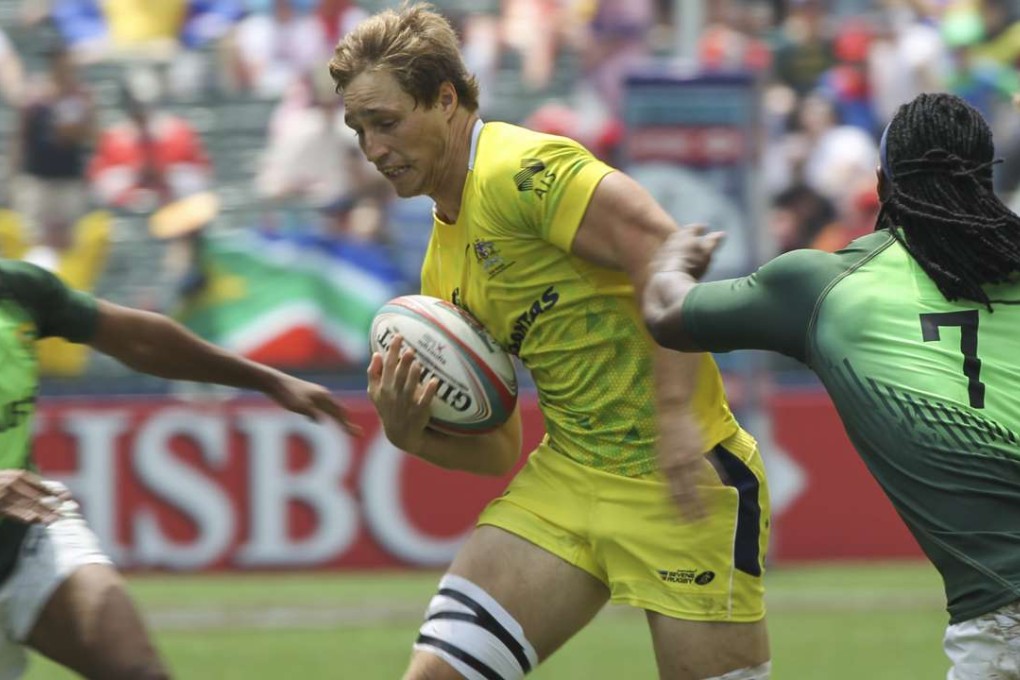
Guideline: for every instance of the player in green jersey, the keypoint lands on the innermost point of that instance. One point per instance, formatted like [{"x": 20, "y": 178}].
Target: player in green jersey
[
  {"x": 913, "y": 332},
  {"x": 547, "y": 247},
  {"x": 59, "y": 594}
]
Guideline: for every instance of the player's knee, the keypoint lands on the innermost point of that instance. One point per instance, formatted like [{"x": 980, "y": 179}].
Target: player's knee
[
  {"x": 759, "y": 672},
  {"x": 472, "y": 634}
]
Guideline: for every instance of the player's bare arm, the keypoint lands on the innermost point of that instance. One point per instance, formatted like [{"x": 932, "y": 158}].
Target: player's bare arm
[
  {"x": 157, "y": 345},
  {"x": 394, "y": 379},
  {"x": 622, "y": 228},
  {"x": 674, "y": 270}
]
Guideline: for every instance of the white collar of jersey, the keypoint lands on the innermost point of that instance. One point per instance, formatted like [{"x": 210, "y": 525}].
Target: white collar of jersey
[{"x": 475, "y": 134}]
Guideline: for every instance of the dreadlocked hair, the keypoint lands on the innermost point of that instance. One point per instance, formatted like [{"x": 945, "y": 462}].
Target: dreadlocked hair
[{"x": 939, "y": 158}]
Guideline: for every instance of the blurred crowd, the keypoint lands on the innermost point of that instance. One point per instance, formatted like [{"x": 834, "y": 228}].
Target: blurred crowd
[
  {"x": 122, "y": 123},
  {"x": 833, "y": 86}
]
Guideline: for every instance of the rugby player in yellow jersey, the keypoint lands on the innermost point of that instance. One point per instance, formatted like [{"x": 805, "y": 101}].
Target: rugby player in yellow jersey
[{"x": 547, "y": 247}]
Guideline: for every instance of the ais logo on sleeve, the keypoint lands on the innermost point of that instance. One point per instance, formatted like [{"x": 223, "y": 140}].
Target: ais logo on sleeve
[
  {"x": 534, "y": 177},
  {"x": 525, "y": 179}
]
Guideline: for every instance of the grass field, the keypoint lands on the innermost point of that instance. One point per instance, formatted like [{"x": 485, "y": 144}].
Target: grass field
[{"x": 879, "y": 622}]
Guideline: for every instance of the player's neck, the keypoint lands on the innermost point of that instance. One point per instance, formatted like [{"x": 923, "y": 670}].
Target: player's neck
[{"x": 450, "y": 190}]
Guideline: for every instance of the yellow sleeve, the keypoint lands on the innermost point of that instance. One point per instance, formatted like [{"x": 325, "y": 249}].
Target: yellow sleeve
[{"x": 550, "y": 188}]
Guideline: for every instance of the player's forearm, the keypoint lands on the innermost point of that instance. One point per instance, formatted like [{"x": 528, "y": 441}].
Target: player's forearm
[
  {"x": 676, "y": 378},
  {"x": 492, "y": 454},
  {"x": 157, "y": 345},
  {"x": 676, "y": 373},
  {"x": 681, "y": 443}
]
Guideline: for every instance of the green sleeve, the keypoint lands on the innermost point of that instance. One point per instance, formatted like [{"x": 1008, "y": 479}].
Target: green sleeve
[
  {"x": 57, "y": 310},
  {"x": 770, "y": 310}
]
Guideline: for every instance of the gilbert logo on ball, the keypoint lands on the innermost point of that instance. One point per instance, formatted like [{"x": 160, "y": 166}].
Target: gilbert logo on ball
[{"x": 477, "y": 384}]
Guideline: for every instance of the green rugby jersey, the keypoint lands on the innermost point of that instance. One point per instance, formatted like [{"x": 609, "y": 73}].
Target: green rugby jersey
[
  {"x": 928, "y": 390},
  {"x": 33, "y": 304}
]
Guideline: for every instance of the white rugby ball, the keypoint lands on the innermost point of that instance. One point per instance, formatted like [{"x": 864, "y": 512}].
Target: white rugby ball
[{"x": 477, "y": 384}]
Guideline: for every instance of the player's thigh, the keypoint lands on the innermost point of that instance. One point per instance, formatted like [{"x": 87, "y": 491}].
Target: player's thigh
[
  {"x": 695, "y": 650},
  {"x": 66, "y": 600},
  {"x": 549, "y": 598},
  {"x": 707, "y": 570},
  {"x": 702, "y": 583},
  {"x": 91, "y": 625}
]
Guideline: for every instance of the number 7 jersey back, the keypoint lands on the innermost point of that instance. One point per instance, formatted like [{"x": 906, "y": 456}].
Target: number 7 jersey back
[{"x": 928, "y": 390}]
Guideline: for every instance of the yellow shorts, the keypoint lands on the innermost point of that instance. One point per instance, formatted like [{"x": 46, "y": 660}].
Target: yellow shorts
[{"x": 626, "y": 532}]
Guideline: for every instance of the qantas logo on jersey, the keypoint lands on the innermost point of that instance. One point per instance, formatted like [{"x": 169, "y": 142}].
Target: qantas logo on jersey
[{"x": 523, "y": 323}]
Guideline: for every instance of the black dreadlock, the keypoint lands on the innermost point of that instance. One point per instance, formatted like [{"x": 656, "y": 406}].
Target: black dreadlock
[{"x": 939, "y": 158}]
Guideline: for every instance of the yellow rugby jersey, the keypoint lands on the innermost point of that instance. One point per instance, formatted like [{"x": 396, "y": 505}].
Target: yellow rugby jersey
[{"x": 575, "y": 325}]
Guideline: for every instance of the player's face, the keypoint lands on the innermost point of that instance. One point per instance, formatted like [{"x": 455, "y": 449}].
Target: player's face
[{"x": 406, "y": 142}]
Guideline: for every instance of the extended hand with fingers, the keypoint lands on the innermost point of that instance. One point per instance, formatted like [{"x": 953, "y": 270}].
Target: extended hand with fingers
[
  {"x": 403, "y": 403},
  {"x": 311, "y": 400},
  {"x": 26, "y": 498}
]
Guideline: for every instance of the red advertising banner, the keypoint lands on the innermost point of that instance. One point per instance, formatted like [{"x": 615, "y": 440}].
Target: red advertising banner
[{"x": 180, "y": 485}]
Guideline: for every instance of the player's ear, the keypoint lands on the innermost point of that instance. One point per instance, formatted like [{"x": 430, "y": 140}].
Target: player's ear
[{"x": 448, "y": 98}]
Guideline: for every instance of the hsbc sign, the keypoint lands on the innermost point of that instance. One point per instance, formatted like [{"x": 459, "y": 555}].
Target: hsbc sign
[
  {"x": 191, "y": 486},
  {"x": 187, "y": 486}
]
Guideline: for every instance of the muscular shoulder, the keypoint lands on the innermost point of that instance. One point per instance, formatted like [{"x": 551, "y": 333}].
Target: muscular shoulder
[
  {"x": 795, "y": 265},
  {"x": 816, "y": 269},
  {"x": 513, "y": 153}
]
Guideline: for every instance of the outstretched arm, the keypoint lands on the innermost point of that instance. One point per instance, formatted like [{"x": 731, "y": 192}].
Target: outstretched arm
[
  {"x": 157, "y": 345},
  {"x": 770, "y": 309}
]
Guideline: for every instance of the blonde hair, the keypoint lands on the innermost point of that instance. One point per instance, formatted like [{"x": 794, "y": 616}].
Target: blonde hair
[{"x": 415, "y": 44}]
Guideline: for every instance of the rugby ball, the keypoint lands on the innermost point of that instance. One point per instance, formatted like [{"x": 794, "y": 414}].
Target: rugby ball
[{"x": 477, "y": 384}]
